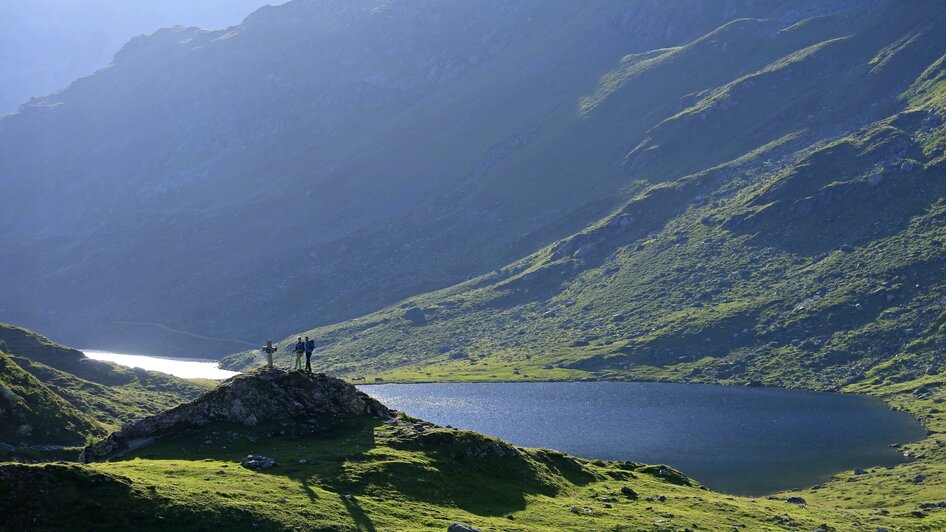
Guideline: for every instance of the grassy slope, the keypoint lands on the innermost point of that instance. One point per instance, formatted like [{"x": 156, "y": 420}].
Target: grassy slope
[
  {"x": 489, "y": 159},
  {"x": 396, "y": 481},
  {"x": 706, "y": 255},
  {"x": 808, "y": 253},
  {"x": 106, "y": 394},
  {"x": 31, "y": 414}
]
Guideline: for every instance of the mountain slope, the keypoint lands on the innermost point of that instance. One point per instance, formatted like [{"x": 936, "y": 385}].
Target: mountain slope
[
  {"x": 75, "y": 396},
  {"x": 31, "y": 414},
  {"x": 804, "y": 249},
  {"x": 325, "y": 159}
]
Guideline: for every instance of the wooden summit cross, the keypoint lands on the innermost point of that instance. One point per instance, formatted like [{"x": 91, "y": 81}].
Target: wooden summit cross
[{"x": 269, "y": 350}]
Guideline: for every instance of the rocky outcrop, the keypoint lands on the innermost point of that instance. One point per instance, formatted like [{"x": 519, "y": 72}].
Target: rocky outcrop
[{"x": 292, "y": 400}]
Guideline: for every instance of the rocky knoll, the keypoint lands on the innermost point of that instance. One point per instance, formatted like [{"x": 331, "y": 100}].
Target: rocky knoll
[{"x": 293, "y": 400}]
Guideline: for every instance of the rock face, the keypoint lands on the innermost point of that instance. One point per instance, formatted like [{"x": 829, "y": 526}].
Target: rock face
[{"x": 296, "y": 401}]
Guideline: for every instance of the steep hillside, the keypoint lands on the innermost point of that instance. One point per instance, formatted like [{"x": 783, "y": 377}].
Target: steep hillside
[
  {"x": 30, "y": 414},
  {"x": 59, "y": 379},
  {"x": 805, "y": 246},
  {"x": 325, "y": 159}
]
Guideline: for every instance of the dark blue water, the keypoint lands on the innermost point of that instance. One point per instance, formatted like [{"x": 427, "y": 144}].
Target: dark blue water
[{"x": 747, "y": 441}]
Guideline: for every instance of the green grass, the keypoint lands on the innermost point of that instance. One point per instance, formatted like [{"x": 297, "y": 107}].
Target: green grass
[{"x": 386, "y": 477}]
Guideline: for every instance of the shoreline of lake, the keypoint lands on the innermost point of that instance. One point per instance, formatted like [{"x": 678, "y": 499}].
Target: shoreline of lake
[{"x": 766, "y": 460}]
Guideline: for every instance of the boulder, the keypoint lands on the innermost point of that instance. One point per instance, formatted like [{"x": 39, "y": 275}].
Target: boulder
[
  {"x": 462, "y": 527},
  {"x": 629, "y": 493},
  {"x": 257, "y": 462},
  {"x": 795, "y": 500},
  {"x": 416, "y": 316}
]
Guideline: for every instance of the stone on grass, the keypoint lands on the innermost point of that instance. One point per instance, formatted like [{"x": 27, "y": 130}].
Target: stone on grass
[
  {"x": 462, "y": 527},
  {"x": 257, "y": 462}
]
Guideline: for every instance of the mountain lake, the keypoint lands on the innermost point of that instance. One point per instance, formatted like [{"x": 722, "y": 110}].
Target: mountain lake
[
  {"x": 188, "y": 368},
  {"x": 740, "y": 440}
]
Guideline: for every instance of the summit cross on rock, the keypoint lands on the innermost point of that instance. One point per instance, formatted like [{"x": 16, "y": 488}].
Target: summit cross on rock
[{"x": 269, "y": 350}]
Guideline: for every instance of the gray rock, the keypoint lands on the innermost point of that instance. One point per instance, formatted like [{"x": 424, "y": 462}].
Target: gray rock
[
  {"x": 415, "y": 316},
  {"x": 462, "y": 527},
  {"x": 795, "y": 500},
  {"x": 257, "y": 462}
]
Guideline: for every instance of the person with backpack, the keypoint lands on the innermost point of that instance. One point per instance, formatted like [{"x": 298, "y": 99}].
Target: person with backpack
[
  {"x": 309, "y": 348},
  {"x": 299, "y": 350}
]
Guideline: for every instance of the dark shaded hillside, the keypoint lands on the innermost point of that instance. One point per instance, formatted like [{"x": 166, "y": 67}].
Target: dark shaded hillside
[
  {"x": 64, "y": 396},
  {"x": 31, "y": 414},
  {"x": 326, "y": 159},
  {"x": 795, "y": 236}
]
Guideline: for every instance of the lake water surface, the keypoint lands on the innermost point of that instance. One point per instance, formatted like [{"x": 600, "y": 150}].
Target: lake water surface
[
  {"x": 748, "y": 441},
  {"x": 187, "y": 368}
]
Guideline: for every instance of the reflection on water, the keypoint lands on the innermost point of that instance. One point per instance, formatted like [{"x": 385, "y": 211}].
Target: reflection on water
[{"x": 179, "y": 367}]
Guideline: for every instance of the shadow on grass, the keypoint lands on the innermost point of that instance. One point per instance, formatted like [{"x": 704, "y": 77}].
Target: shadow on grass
[
  {"x": 361, "y": 519},
  {"x": 444, "y": 468},
  {"x": 73, "y": 497}
]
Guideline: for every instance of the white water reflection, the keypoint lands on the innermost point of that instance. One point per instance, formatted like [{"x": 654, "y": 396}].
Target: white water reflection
[{"x": 187, "y": 368}]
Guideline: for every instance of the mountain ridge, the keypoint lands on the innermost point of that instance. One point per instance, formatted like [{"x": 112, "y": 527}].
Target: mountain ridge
[
  {"x": 785, "y": 265},
  {"x": 312, "y": 158}
]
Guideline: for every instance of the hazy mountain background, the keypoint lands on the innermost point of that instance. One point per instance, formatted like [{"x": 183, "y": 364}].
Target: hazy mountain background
[
  {"x": 317, "y": 162},
  {"x": 326, "y": 159},
  {"x": 46, "y": 44},
  {"x": 780, "y": 223}
]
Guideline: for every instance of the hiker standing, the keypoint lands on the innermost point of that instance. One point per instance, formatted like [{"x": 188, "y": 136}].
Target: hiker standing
[
  {"x": 309, "y": 348},
  {"x": 299, "y": 350}
]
